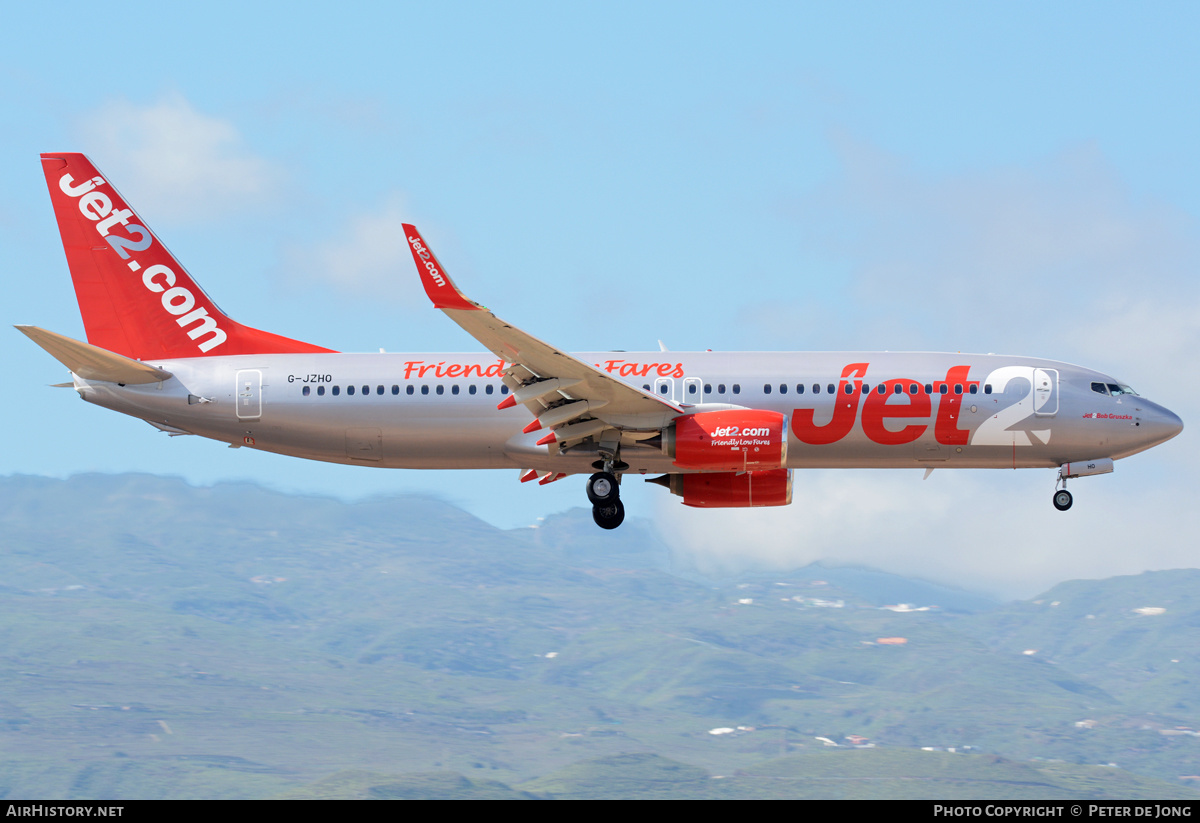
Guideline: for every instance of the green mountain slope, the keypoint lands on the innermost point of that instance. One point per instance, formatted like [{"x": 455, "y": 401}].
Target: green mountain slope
[{"x": 160, "y": 640}]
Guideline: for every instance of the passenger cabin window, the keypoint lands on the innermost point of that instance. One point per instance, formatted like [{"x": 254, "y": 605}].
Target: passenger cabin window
[
  {"x": 304, "y": 391},
  {"x": 974, "y": 388},
  {"x": 488, "y": 388},
  {"x": 440, "y": 389},
  {"x": 737, "y": 388},
  {"x": 336, "y": 391},
  {"x": 799, "y": 388},
  {"x": 349, "y": 390},
  {"x": 929, "y": 388},
  {"x": 454, "y": 389},
  {"x": 408, "y": 389},
  {"x": 720, "y": 388},
  {"x": 942, "y": 389},
  {"x": 471, "y": 389},
  {"x": 396, "y": 389},
  {"x": 691, "y": 388},
  {"x": 987, "y": 389},
  {"x": 783, "y": 388},
  {"x": 766, "y": 388},
  {"x": 320, "y": 391},
  {"x": 424, "y": 389},
  {"x": 832, "y": 389},
  {"x": 913, "y": 388},
  {"x": 708, "y": 388}
]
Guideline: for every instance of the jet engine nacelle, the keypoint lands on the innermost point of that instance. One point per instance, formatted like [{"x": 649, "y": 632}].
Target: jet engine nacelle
[
  {"x": 738, "y": 440},
  {"x": 731, "y": 490}
]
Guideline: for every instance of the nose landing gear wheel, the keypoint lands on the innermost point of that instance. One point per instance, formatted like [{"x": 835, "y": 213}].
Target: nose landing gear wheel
[
  {"x": 602, "y": 489},
  {"x": 1062, "y": 500},
  {"x": 609, "y": 515}
]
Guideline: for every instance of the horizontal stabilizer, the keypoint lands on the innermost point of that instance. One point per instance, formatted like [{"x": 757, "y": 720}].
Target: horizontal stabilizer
[{"x": 92, "y": 362}]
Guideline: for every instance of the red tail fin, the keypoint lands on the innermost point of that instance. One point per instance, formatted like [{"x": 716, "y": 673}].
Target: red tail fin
[{"x": 135, "y": 297}]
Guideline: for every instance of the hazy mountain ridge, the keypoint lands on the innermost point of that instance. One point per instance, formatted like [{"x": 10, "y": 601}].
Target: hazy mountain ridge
[{"x": 164, "y": 640}]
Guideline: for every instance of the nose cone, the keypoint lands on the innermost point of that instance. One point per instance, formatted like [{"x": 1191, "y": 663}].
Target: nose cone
[{"x": 1159, "y": 424}]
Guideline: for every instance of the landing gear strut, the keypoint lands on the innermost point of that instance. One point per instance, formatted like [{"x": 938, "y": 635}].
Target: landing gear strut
[{"x": 1062, "y": 497}]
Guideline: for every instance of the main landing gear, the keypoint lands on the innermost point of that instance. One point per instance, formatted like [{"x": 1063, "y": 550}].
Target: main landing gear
[
  {"x": 602, "y": 488},
  {"x": 604, "y": 492},
  {"x": 609, "y": 515}
]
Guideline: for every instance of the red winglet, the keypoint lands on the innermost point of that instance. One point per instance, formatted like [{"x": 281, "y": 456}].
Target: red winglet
[
  {"x": 506, "y": 403},
  {"x": 550, "y": 438},
  {"x": 135, "y": 297},
  {"x": 532, "y": 427},
  {"x": 438, "y": 285}
]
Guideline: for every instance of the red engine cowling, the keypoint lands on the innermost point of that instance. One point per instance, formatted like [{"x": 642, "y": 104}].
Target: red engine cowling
[
  {"x": 731, "y": 490},
  {"x": 734, "y": 440}
]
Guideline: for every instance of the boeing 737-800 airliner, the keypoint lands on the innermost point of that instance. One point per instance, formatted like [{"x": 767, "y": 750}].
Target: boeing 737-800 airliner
[{"x": 722, "y": 429}]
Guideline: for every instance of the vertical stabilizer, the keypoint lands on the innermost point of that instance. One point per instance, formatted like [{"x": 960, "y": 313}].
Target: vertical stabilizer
[{"x": 135, "y": 297}]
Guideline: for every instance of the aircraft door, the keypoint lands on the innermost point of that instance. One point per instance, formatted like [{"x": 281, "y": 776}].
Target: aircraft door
[
  {"x": 1045, "y": 392},
  {"x": 248, "y": 388},
  {"x": 693, "y": 390}
]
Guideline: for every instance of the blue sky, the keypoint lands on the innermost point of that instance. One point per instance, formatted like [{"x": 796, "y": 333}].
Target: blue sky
[{"x": 1007, "y": 177}]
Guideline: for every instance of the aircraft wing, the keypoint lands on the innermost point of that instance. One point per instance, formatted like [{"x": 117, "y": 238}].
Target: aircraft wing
[{"x": 541, "y": 376}]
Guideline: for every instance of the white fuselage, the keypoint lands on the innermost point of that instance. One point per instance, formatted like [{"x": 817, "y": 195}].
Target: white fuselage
[{"x": 438, "y": 411}]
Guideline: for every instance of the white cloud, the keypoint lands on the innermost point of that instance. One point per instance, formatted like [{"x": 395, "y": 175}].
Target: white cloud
[
  {"x": 174, "y": 162},
  {"x": 366, "y": 256},
  {"x": 993, "y": 532}
]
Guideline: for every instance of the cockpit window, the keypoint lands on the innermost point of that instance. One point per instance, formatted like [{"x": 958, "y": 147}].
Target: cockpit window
[
  {"x": 1099, "y": 388},
  {"x": 1119, "y": 389}
]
